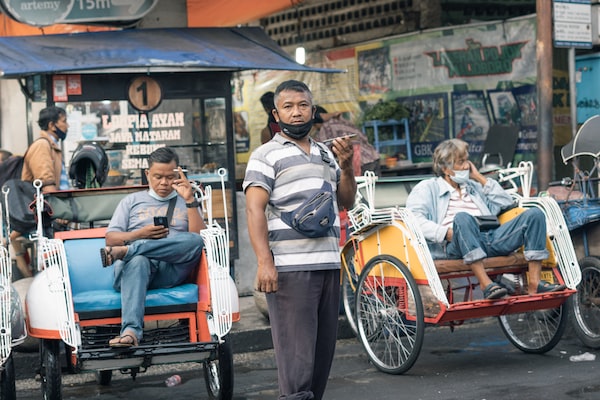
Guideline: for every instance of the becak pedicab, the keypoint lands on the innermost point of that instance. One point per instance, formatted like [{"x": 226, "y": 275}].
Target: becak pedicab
[
  {"x": 71, "y": 302},
  {"x": 580, "y": 203},
  {"x": 12, "y": 318},
  {"x": 399, "y": 289}
]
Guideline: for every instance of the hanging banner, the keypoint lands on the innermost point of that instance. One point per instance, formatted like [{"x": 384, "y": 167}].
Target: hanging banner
[{"x": 455, "y": 82}]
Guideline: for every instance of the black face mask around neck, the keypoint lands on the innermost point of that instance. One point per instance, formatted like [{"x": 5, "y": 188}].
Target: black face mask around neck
[{"x": 296, "y": 131}]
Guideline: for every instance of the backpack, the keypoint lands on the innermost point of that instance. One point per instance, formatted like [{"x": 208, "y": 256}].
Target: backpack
[
  {"x": 21, "y": 196},
  {"x": 11, "y": 168}
]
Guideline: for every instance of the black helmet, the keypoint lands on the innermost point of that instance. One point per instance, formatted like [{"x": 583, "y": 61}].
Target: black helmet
[{"x": 89, "y": 166}]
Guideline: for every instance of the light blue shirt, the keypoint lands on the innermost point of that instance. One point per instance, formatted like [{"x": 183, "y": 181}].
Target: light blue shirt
[{"x": 429, "y": 201}]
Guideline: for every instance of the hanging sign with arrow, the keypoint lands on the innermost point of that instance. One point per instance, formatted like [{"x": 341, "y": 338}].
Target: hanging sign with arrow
[{"x": 48, "y": 12}]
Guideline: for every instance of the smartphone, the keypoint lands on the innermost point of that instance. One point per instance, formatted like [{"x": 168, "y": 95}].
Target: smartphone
[
  {"x": 161, "y": 221},
  {"x": 329, "y": 141}
]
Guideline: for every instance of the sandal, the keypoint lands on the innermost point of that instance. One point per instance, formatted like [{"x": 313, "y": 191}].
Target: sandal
[
  {"x": 494, "y": 291},
  {"x": 126, "y": 339},
  {"x": 106, "y": 256},
  {"x": 547, "y": 287}
]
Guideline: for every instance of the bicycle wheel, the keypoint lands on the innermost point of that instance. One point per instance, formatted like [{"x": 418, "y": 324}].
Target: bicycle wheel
[
  {"x": 218, "y": 372},
  {"x": 51, "y": 370},
  {"x": 389, "y": 314},
  {"x": 7, "y": 380},
  {"x": 586, "y": 303},
  {"x": 535, "y": 331},
  {"x": 349, "y": 282}
]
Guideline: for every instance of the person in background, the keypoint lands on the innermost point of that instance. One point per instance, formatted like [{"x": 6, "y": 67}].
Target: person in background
[
  {"x": 331, "y": 125},
  {"x": 299, "y": 274},
  {"x": 272, "y": 126},
  {"x": 147, "y": 255},
  {"x": 43, "y": 160},
  {"x": 445, "y": 208}
]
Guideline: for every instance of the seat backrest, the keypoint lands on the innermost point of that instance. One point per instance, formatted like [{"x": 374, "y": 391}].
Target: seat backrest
[
  {"x": 85, "y": 266},
  {"x": 501, "y": 140},
  {"x": 82, "y": 248}
]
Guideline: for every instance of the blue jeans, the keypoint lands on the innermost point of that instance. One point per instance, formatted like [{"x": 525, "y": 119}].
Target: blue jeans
[
  {"x": 153, "y": 264},
  {"x": 528, "y": 229}
]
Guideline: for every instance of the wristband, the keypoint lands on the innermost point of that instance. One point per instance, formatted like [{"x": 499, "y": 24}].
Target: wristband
[{"x": 193, "y": 204}]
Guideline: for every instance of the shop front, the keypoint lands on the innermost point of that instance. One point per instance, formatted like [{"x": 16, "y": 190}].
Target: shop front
[{"x": 134, "y": 91}]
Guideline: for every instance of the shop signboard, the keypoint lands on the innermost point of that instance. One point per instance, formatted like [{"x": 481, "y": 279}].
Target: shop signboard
[
  {"x": 572, "y": 23},
  {"x": 43, "y": 12}
]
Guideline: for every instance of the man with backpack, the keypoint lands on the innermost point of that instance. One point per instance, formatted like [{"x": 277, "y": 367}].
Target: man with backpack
[{"x": 43, "y": 160}]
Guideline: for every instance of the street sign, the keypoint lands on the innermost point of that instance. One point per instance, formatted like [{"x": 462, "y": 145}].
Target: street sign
[
  {"x": 43, "y": 12},
  {"x": 573, "y": 23}
]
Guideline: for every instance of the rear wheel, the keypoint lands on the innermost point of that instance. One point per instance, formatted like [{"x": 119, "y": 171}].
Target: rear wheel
[
  {"x": 349, "y": 282},
  {"x": 586, "y": 303},
  {"x": 535, "y": 331},
  {"x": 7, "y": 380},
  {"x": 50, "y": 370},
  {"x": 389, "y": 314},
  {"x": 218, "y": 373}
]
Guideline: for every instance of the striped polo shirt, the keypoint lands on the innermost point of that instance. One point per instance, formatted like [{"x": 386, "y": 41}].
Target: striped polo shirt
[{"x": 291, "y": 176}]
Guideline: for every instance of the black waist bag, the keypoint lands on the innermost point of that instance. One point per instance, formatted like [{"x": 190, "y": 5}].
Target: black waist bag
[
  {"x": 315, "y": 217},
  {"x": 487, "y": 222}
]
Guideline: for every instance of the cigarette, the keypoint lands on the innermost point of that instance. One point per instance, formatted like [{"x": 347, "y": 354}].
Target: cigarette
[
  {"x": 177, "y": 170},
  {"x": 328, "y": 141}
]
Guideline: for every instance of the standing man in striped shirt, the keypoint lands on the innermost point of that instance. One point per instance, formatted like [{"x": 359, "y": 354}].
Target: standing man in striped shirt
[
  {"x": 299, "y": 274},
  {"x": 446, "y": 206}
]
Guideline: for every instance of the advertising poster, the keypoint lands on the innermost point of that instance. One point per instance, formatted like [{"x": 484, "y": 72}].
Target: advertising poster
[
  {"x": 504, "y": 107},
  {"x": 471, "y": 120},
  {"x": 428, "y": 123}
]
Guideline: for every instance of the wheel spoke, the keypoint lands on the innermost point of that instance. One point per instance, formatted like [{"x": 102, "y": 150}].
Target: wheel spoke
[{"x": 391, "y": 332}]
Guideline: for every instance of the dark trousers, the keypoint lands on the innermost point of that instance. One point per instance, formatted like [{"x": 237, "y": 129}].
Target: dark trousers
[{"x": 304, "y": 314}]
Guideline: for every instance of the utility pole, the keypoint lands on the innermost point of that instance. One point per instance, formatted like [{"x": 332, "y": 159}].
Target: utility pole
[{"x": 543, "y": 54}]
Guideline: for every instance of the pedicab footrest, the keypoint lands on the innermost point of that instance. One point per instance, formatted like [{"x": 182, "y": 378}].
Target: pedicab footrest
[{"x": 143, "y": 355}]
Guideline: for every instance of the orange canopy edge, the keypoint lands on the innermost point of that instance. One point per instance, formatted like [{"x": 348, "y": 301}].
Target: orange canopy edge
[
  {"x": 10, "y": 27},
  {"x": 221, "y": 13}
]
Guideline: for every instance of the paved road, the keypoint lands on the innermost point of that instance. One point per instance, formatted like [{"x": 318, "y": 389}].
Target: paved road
[{"x": 474, "y": 362}]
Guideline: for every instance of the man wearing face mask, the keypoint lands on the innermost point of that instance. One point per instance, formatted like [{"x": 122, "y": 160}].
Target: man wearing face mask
[
  {"x": 300, "y": 274},
  {"x": 146, "y": 255},
  {"x": 43, "y": 160},
  {"x": 446, "y": 206}
]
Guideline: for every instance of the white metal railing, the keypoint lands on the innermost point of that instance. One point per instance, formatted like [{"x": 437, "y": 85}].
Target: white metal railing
[
  {"x": 216, "y": 246},
  {"x": 413, "y": 231},
  {"x": 52, "y": 260},
  {"x": 5, "y": 306},
  {"x": 557, "y": 228}
]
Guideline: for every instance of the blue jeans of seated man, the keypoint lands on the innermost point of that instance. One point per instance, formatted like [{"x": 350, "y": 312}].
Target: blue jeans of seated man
[
  {"x": 528, "y": 229},
  {"x": 152, "y": 264}
]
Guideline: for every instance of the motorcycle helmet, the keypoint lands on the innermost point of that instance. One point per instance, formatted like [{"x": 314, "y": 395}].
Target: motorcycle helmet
[{"x": 89, "y": 166}]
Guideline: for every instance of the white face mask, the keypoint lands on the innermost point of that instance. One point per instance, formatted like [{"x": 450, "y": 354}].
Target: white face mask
[
  {"x": 155, "y": 195},
  {"x": 460, "y": 176}
]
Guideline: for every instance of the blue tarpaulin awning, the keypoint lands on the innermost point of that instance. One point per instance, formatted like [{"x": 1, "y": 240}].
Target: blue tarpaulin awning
[{"x": 145, "y": 50}]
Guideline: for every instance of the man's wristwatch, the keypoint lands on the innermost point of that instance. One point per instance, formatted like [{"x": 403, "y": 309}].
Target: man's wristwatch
[{"x": 193, "y": 204}]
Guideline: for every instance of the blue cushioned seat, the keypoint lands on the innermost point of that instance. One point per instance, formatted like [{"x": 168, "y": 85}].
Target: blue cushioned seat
[{"x": 92, "y": 285}]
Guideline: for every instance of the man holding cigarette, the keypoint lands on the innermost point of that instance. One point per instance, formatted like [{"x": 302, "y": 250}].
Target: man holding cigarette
[{"x": 153, "y": 240}]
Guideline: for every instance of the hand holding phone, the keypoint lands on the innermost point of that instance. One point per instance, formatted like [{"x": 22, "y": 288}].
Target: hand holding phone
[{"x": 161, "y": 221}]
